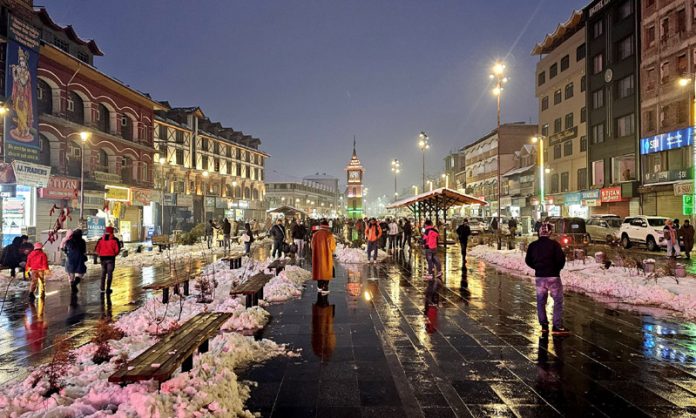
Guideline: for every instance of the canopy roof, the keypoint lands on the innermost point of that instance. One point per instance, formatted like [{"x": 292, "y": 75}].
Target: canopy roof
[
  {"x": 286, "y": 210},
  {"x": 442, "y": 196}
]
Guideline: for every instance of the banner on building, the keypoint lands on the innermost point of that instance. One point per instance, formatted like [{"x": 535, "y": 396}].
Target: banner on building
[
  {"x": 143, "y": 197},
  {"x": 21, "y": 134},
  {"x": 29, "y": 174},
  {"x": 184, "y": 201},
  {"x": 93, "y": 200},
  {"x": 61, "y": 188},
  {"x": 667, "y": 141}
]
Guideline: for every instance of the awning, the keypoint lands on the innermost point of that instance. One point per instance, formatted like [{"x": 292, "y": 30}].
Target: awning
[
  {"x": 518, "y": 171},
  {"x": 286, "y": 210},
  {"x": 442, "y": 196}
]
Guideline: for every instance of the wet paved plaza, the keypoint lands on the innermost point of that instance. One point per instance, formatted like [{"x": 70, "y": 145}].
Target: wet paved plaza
[{"x": 373, "y": 348}]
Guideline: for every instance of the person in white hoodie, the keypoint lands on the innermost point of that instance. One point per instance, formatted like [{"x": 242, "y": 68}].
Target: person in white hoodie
[{"x": 393, "y": 234}]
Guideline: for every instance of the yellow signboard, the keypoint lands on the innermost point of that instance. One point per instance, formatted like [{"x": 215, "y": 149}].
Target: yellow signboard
[{"x": 118, "y": 194}]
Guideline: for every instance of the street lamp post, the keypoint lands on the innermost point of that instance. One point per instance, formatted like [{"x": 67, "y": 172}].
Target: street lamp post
[
  {"x": 161, "y": 161},
  {"x": 540, "y": 140},
  {"x": 395, "y": 168},
  {"x": 430, "y": 183},
  {"x": 498, "y": 76},
  {"x": 446, "y": 177},
  {"x": 84, "y": 136},
  {"x": 423, "y": 144}
]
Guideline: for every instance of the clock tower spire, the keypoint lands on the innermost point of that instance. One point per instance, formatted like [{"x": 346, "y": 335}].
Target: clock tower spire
[{"x": 354, "y": 187}]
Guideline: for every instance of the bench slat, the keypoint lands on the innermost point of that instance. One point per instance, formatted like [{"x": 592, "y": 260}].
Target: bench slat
[{"x": 253, "y": 285}]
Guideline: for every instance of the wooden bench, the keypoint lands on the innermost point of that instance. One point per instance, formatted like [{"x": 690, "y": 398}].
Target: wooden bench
[
  {"x": 175, "y": 349},
  {"x": 92, "y": 250},
  {"x": 172, "y": 282},
  {"x": 252, "y": 288},
  {"x": 235, "y": 260},
  {"x": 164, "y": 242},
  {"x": 279, "y": 265}
]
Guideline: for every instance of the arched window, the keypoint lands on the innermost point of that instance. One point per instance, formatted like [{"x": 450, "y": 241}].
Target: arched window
[
  {"x": 255, "y": 194},
  {"x": 76, "y": 108},
  {"x": 144, "y": 173},
  {"x": 74, "y": 159},
  {"x": 103, "y": 118},
  {"x": 247, "y": 193},
  {"x": 238, "y": 192},
  {"x": 44, "y": 96},
  {"x": 126, "y": 169},
  {"x": 126, "y": 128},
  {"x": 45, "y": 151},
  {"x": 229, "y": 191},
  {"x": 103, "y": 162}
]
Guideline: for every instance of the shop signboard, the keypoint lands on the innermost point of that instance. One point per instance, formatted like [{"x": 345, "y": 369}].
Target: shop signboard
[
  {"x": 61, "y": 188},
  {"x": 667, "y": 141},
  {"x": 572, "y": 198},
  {"x": 688, "y": 204},
  {"x": 95, "y": 226},
  {"x": 104, "y": 177},
  {"x": 170, "y": 199},
  {"x": 93, "y": 200},
  {"x": 590, "y": 194},
  {"x": 662, "y": 176},
  {"x": 143, "y": 197},
  {"x": 184, "y": 201},
  {"x": 221, "y": 202},
  {"x": 117, "y": 193},
  {"x": 680, "y": 189},
  {"x": 593, "y": 203},
  {"x": 611, "y": 194},
  {"x": 30, "y": 174},
  {"x": 210, "y": 202},
  {"x": 506, "y": 201},
  {"x": 21, "y": 127}
]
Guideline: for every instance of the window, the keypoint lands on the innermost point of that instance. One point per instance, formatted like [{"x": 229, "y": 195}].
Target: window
[
  {"x": 568, "y": 91},
  {"x": 583, "y": 143},
  {"x": 650, "y": 36},
  {"x": 598, "y": 133},
  {"x": 580, "y": 53},
  {"x": 179, "y": 137},
  {"x": 553, "y": 70},
  {"x": 126, "y": 169},
  {"x": 83, "y": 57},
  {"x": 103, "y": 161},
  {"x": 144, "y": 172},
  {"x": 557, "y": 97},
  {"x": 557, "y": 151},
  {"x": 554, "y": 183},
  {"x": 565, "y": 63},
  {"x": 597, "y": 29},
  {"x": 541, "y": 78},
  {"x": 179, "y": 155},
  {"x": 544, "y": 102},
  {"x": 557, "y": 125},
  {"x": 597, "y": 63},
  {"x": 679, "y": 159},
  {"x": 625, "y": 9},
  {"x": 61, "y": 44},
  {"x": 583, "y": 84},
  {"x": 681, "y": 21},
  {"x": 682, "y": 65},
  {"x": 162, "y": 132},
  {"x": 103, "y": 119},
  {"x": 625, "y": 86},
  {"x": 623, "y": 168},
  {"x": 565, "y": 180},
  {"x": 569, "y": 120},
  {"x": 44, "y": 97},
  {"x": 216, "y": 165},
  {"x": 598, "y": 99},
  {"x": 664, "y": 29},
  {"x": 625, "y": 125},
  {"x": 204, "y": 144},
  {"x": 76, "y": 108},
  {"x": 568, "y": 148},
  {"x": 598, "y": 173},
  {"x": 126, "y": 128},
  {"x": 682, "y": 112},
  {"x": 583, "y": 114},
  {"x": 545, "y": 129},
  {"x": 650, "y": 120},
  {"x": 625, "y": 47},
  {"x": 655, "y": 162},
  {"x": 582, "y": 178}
]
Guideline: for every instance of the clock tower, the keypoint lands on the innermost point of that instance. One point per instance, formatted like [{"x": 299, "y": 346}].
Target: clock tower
[{"x": 354, "y": 188}]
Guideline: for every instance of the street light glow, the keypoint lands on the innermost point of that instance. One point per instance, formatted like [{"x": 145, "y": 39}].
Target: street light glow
[
  {"x": 162, "y": 160},
  {"x": 205, "y": 173},
  {"x": 683, "y": 82},
  {"x": 498, "y": 68},
  {"x": 497, "y": 91},
  {"x": 84, "y": 135}
]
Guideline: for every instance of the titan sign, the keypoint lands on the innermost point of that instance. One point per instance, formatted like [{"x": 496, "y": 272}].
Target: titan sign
[{"x": 665, "y": 142}]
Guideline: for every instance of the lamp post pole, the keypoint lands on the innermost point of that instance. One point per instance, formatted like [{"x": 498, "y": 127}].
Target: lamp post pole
[
  {"x": 423, "y": 144},
  {"x": 683, "y": 82},
  {"x": 395, "y": 168},
  {"x": 84, "y": 136},
  {"x": 498, "y": 76},
  {"x": 542, "y": 172}
]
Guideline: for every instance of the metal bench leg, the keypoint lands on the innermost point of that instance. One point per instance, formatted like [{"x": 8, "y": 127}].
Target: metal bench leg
[
  {"x": 187, "y": 365},
  {"x": 203, "y": 348},
  {"x": 249, "y": 301},
  {"x": 259, "y": 294},
  {"x": 255, "y": 300},
  {"x": 165, "y": 295},
  {"x": 186, "y": 288},
  {"x": 239, "y": 263},
  {"x": 231, "y": 264}
]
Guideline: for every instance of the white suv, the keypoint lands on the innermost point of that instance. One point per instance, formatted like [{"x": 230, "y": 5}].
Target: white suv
[{"x": 644, "y": 230}]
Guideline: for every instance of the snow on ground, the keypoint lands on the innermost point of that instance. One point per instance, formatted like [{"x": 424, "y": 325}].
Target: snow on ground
[
  {"x": 349, "y": 255},
  {"x": 617, "y": 282},
  {"x": 288, "y": 284}
]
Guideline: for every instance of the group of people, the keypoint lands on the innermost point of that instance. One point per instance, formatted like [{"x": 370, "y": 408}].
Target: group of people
[
  {"x": 674, "y": 236},
  {"x": 228, "y": 229}
]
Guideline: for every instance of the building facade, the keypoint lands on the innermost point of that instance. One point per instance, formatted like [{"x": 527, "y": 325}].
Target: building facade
[
  {"x": 481, "y": 164},
  {"x": 317, "y": 200},
  {"x": 560, "y": 89},
  {"x": 613, "y": 106},
  {"x": 520, "y": 189},
  {"x": 668, "y": 55}
]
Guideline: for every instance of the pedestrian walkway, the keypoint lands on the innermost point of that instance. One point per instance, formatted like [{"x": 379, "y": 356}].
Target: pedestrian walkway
[{"x": 374, "y": 349}]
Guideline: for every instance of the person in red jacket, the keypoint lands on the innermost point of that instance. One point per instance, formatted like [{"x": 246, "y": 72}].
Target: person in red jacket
[
  {"x": 430, "y": 237},
  {"x": 107, "y": 249},
  {"x": 37, "y": 264}
]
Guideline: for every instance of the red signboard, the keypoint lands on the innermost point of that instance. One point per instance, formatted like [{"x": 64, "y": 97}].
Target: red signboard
[
  {"x": 611, "y": 194},
  {"x": 62, "y": 188}
]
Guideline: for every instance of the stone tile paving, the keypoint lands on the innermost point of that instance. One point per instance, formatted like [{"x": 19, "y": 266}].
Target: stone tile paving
[{"x": 468, "y": 346}]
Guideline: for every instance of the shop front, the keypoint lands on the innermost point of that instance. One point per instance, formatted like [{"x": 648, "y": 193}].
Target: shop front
[
  {"x": 61, "y": 192},
  {"x": 554, "y": 205},
  {"x": 117, "y": 214},
  {"x": 182, "y": 219},
  {"x": 238, "y": 210},
  {"x": 20, "y": 181},
  {"x": 613, "y": 201},
  {"x": 668, "y": 199},
  {"x": 148, "y": 201},
  {"x": 574, "y": 205}
]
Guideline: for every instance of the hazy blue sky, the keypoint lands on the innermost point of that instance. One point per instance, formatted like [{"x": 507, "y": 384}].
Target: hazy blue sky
[{"x": 305, "y": 76}]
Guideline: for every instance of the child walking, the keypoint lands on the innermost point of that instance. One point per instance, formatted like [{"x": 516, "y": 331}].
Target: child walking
[{"x": 37, "y": 264}]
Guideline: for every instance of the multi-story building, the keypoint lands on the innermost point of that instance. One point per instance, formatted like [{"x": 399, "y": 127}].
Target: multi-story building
[
  {"x": 560, "y": 88},
  {"x": 481, "y": 162},
  {"x": 613, "y": 108},
  {"x": 206, "y": 171},
  {"x": 332, "y": 183},
  {"x": 520, "y": 190},
  {"x": 667, "y": 51},
  {"x": 317, "y": 200}
]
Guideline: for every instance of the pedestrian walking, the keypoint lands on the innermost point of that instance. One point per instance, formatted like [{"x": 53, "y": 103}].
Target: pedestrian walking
[
  {"x": 512, "y": 226},
  {"x": 107, "y": 249},
  {"x": 537, "y": 225},
  {"x": 210, "y": 232},
  {"x": 393, "y": 233},
  {"x": 373, "y": 233},
  {"x": 385, "y": 229},
  {"x": 464, "y": 232},
  {"x": 687, "y": 234},
  {"x": 76, "y": 256},
  {"x": 547, "y": 259},
  {"x": 430, "y": 237},
  {"x": 247, "y": 238},
  {"x": 299, "y": 234},
  {"x": 408, "y": 233},
  {"x": 670, "y": 236},
  {"x": 37, "y": 264},
  {"x": 11, "y": 257},
  {"x": 323, "y": 246},
  {"x": 226, "y": 233},
  {"x": 277, "y": 232}
]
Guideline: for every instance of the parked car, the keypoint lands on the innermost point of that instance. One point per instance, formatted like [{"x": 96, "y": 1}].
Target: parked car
[
  {"x": 604, "y": 228},
  {"x": 476, "y": 225},
  {"x": 569, "y": 232},
  {"x": 504, "y": 229},
  {"x": 643, "y": 230}
]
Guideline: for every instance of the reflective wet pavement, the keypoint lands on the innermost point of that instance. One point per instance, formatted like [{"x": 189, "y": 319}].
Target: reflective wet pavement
[{"x": 470, "y": 346}]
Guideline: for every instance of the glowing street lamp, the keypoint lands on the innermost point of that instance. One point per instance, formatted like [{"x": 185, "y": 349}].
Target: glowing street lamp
[
  {"x": 396, "y": 169},
  {"x": 498, "y": 76},
  {"x": 415, "y": 189},
  {"x": 423, "y": 144}
]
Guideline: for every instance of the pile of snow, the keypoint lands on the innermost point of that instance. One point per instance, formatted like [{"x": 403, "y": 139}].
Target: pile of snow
[
  {"x": 286, "y": 285},
  {"x": 617, "y": 282},
  {"x": 349, "y": 255}
]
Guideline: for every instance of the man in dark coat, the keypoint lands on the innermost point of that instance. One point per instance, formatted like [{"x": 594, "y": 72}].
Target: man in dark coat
[
  {"x": 226, "y": 231},
  {"x": 463, "y": 232},
  {"x": 11, "y": 257},
  {"x": 547, "y": 259},
  {"x": 687, "y": 234},
  {"x": 277, "y": 232}
]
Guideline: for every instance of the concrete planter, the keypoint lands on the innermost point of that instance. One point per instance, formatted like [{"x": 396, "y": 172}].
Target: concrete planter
[
  {"x": 649, "y": 266},
  {"x": 599, "y": 257}
]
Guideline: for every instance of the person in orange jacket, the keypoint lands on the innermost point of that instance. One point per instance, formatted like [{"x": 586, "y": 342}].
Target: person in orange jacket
[
  {"x": 373, "y": 233},
  {"x": 37, "y": 264}
]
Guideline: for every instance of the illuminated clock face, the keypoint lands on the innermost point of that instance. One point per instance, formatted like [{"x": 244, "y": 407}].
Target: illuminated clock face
[{"x": 354, "y": 175}]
